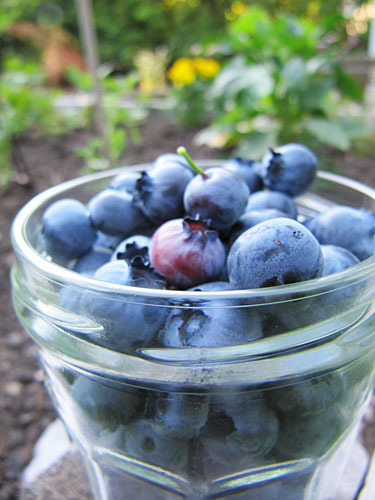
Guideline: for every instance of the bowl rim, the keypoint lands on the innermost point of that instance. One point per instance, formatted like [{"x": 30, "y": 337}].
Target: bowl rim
[{"x": 25, "y": 251}]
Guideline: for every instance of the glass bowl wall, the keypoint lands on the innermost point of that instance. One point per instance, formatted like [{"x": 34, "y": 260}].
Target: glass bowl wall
[{"x": 272, "y": 417}]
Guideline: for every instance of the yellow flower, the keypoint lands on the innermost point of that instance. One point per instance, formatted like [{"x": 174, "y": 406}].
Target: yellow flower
[
  {"x": 182, "y": 72},
  {"x": 206, "y": 68}
]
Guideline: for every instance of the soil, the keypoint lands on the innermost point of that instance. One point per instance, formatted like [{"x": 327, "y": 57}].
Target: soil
[{"x": 41, "y": 162}]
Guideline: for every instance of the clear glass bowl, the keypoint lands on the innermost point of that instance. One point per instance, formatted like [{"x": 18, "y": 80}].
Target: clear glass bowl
[{"x": 271, "y": 418}]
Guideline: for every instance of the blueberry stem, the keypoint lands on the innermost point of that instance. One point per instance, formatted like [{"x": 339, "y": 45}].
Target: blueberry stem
[{"x": 182, "y": 151}]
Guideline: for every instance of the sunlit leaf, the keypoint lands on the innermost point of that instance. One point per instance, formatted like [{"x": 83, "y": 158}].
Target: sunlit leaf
[
  {"x": 256, "y": 144},
  {"x": 331, "y": 133}
]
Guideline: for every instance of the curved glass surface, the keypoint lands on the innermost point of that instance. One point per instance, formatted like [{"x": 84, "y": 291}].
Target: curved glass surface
[{"x": 272, "y": 414}]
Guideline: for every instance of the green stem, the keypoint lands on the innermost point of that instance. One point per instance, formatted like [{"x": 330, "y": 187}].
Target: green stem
[{"x": 182, "y": 151}]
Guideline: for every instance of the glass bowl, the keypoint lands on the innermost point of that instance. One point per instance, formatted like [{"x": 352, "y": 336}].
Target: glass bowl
[{"x": 273, "y": 416}]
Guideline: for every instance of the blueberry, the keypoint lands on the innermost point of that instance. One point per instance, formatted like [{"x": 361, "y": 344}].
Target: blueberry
[
  {"x": 347, "y": 227},
  {"x": 118, "y": 272},
  {"x": 127, "y": 322},
  {"x": 290, "y": 168},
  {"x": 113, "y": 212},
  {"x": 212, "y": 326},
  {"x": 67, "y": 230},
  {"x": 145, "y": 443},
  {"x": 248, "y": 169},
  {"x": 254, "y": 434},
  {"x": 275, "y": 252},
  {"x": 126, "y": 181},
  {"x": 133, "y": 245},
  {"x": 272, "y": 199},
  {"x": 309, "y": 397},
  {"x": 336, "y": 259},
  {"x": 159, "y": 191},
  {"x": 187, "y": 252},
  {"x": 310, "y": 436},
  {"x": 217, "y": 195},
  {"x": 107, "y": 240},
  {"x": 251, "y": 218},
  {"x": 105, "y": 403},
  {"x": 88, "y": 263},
  {"x": 168, "y": 158},
  {"x": 181, "y": 415}
]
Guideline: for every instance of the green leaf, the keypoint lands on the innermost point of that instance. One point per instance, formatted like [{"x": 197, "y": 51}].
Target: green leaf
[
  {"x": 117, "y": 142},
  {"x": 293, "y": 72},
  {"x": 214, "y": 136},
  {"x": 347, "y": 84},
  {"x": 314, "y": 93},
  {"x": 256, "y": 144},
  {"x": 354, "y": 128},
  {"x": 328, "y": 132},
  {"x": 255, "y": 21},
  {"x": 237, "y": 77}
]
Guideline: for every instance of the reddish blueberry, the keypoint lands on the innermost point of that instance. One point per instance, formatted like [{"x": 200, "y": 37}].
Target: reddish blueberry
[{"x": 186, "y": 252}]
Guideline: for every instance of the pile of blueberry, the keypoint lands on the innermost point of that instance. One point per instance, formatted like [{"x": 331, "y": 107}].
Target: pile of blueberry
[
  {"x": 180, "y": 227},
  {"x": 175, "y": 226},
  {"x": 225, "y": 431},
  {"x": 195, "y": 216}
]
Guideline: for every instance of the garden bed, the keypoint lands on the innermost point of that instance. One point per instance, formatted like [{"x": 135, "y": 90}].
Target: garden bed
[{"x": 39, "y": 163}]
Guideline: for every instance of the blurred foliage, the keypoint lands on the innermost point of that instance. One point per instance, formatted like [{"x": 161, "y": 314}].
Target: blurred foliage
[
  {"x": 151, "y": 67},
  {"x": 191, "y": 79},
  {"x": 281, "y": 82},
  {"x": 126, "y": 26},
  {"x": 25, "y": 104},
  {"x": 279, "y": 78},
  {"x": 122, "y": 122}
]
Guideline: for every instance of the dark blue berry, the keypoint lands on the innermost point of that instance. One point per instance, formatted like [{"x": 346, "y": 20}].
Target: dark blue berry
[
  {"x": 347, "y": 227},
  {"x": 92, "y": 260},
  {"x": 67, "y": 230},
  {"x": 181, "y": 415},
  {"x": 290, "y": 168},
  {"x": 275, "y": 252},
  {"x": 126, "y": 181},
  {"x": 336, "y": 259},
  {"x": 310, "y": 436},
  {"x": 309, "y": 397},
  {"x": 127, "y": 322},
  {"x": 272, "y": 199},
  {"x": 113, "y": 212},
  {"x": 248, "y": 169},
  {"x": 159, "y": 192},
  {"x": 252, "y": 218},
  {"x": 217, "y": 195},
  {"x": 107, "y": 240},
  {"x": 133, "y": 245},
  {"x": 212, "y": 326},
  {"x": 105, "y": 403},
  {"x": 145, "y": 443},
  {"x": 254, "y": 434}
]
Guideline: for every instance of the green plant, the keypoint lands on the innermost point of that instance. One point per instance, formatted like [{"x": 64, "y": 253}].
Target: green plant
[
  {"x": 284, "y": 84},
  {"x": 191, "y": 80},
  {"x": 126, "y": 27},
  {"x": 25, "y": 104},
  {"x": 121, "y": 121}
]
